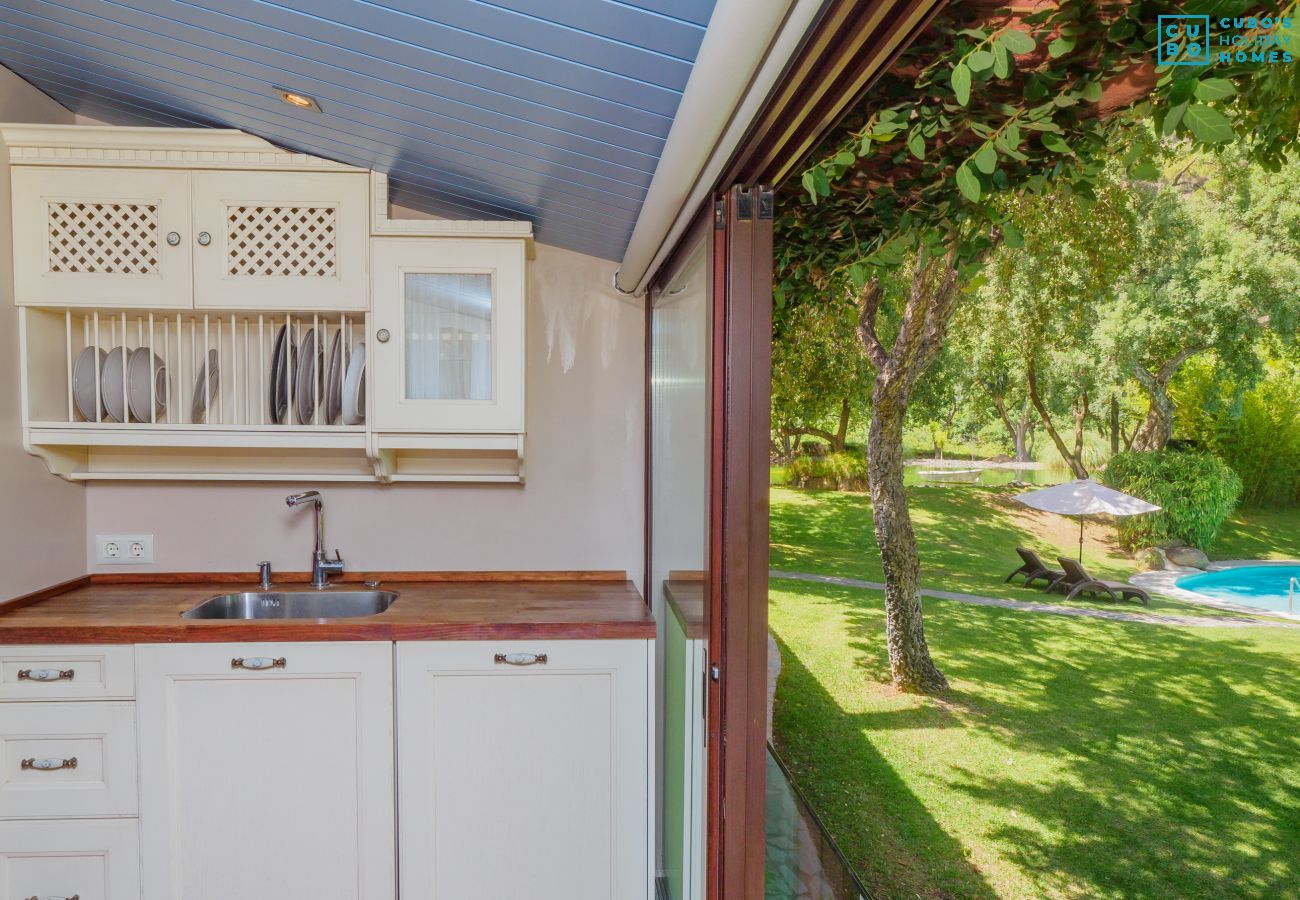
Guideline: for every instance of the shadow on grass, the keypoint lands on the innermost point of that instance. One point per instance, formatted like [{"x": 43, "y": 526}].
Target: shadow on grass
[
  {"x": 1098, "y": 758},
  {"x": 886, "y": 833}
]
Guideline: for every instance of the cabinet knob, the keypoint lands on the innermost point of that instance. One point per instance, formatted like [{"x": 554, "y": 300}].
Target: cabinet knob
[
  {"x": 383, "y": 335},
  {"x": 48, "y": 764},
  {"x": 257, "y": 663},
  {"x": 46, "y": 674},
  {"x": 204, "y": 239},
  {"x": 173, "y": 238}
]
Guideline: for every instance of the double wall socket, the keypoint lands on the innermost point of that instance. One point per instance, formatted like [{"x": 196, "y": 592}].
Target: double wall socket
[{"x": 123, "y": 549}]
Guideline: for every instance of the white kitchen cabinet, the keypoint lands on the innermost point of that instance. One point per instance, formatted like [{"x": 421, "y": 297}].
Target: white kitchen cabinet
[
  {"x": 90, "y": 237},
  {"x": 67, "y": 759},
  {"x": 266, "y": 771},
  {"x": 88, "y": 859},
  {"x": 280, "y": 240},
  {"x": 524, "y": 770},
  {"x": 446, "y": 348},
  {"x": 67, "y": 672}
]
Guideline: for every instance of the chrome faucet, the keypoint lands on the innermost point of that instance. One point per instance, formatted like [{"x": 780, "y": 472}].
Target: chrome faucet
[{"x": 321, "y": 565}]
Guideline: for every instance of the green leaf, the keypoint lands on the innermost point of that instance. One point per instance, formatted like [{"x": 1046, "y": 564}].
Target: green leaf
[
  {"x": 810, "y": 185},
  {"x": 1001, "y": 61},
  {"x": 1208, "y": 125},
  {"x": 1173, "y": 117},
  {"x": 1146, "y": 171},
  {"x": 1214, "y": 89},
  {"x": 1181, "y": 92},
  {"x": 1009, "y": 149},
  {"x": 916, "y": 144},
  {"x": 979, "y": 60},
  {"x": 1054, "y": 142},
  {"x": 961, "y": 83},
  {"x": 968, "y": 183},
  {"x": 986, "y": 159},
  {"x": 1013, "y": 236},
  {"x": 846, "y": 158},
  {"x": 1092, "y": 91},
  {"x": 1017, "y": 41},
  {"x": 1060, "y": 47}
]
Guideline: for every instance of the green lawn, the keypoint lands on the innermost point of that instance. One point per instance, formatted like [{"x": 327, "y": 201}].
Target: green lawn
[{"x": 1073, "y": 757}]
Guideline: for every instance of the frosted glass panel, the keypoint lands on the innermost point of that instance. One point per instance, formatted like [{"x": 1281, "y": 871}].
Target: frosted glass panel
[{"x": 448, "y": 334}]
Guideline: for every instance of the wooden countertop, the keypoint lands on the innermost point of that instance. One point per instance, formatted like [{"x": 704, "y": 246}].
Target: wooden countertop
[
  {"x": 524, "y": 607},
  {"x": 686, "y": 598}
]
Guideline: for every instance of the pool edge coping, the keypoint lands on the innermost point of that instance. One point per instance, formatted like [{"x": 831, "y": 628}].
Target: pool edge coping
[{"x": 1163, "y": 581}]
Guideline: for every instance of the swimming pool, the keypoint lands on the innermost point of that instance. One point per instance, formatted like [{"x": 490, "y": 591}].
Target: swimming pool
[{"x": 1264, "y": 587}]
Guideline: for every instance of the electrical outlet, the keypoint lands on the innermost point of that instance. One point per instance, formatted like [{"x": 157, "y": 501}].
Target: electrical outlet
[{"x": 123, "y": 549}]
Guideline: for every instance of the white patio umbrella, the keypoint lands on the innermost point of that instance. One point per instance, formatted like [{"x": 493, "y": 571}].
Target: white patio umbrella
[{"x": 1083, "y": 498}]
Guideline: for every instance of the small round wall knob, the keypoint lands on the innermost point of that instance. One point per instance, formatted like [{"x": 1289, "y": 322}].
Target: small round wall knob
[
  {"x": 173, "y": 238},
  {"x": 382, "y": 335},
  {"x": 204, "y": 239}
]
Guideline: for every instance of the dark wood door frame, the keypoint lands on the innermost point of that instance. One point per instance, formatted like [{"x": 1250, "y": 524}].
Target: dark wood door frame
[{"x": 738, "y": 540}]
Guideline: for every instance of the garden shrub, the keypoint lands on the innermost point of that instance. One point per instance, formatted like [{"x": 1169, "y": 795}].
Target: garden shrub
[
  {"x": 1256, "y": 431},
  {"x": 1196, "y": 493},
  {"x": 842, "y": 471}
]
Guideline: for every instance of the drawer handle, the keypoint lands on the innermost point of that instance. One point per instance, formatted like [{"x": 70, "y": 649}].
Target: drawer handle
[
  {"x": 73, "y": 897},
  {"x": 49, "y": 764},
  {"x": 257, "y": 663},
  {"x": 520, "y": 659},
  {"x": 46, "y": 674}
]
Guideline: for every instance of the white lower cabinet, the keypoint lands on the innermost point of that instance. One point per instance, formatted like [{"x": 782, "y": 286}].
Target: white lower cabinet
[
  {"x": 266, "y": 771},
  {"x": 89, "y": 859},
  {"x": 524, "y": 770}
]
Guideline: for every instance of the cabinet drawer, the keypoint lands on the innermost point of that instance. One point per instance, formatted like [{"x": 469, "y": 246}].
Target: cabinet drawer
[
  {"x": 72, "y": 672},
  {"x": 91, "y": 860},
  {"x": 67, "y": 759}
]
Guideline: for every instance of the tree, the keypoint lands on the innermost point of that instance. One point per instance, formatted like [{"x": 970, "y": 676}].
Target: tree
[
  {"x": 1214, "y": 268},
  {"x": 983, "y": 103},
  {"x": 1053, "y": 289},
  {"x": 819, "y": 376},
  {"x": 981, "y": 333}
]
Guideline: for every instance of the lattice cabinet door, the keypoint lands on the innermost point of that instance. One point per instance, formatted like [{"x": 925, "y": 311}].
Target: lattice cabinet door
[
  {"x": 280, "y": 240},
  {"x": 101, "y": 237}
]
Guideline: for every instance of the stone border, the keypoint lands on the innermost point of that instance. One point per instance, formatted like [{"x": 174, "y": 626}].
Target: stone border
[{"x": 1163, "y": 581}]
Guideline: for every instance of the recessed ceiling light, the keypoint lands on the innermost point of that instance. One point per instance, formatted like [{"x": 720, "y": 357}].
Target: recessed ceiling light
[{"x": 293, "y": 98}]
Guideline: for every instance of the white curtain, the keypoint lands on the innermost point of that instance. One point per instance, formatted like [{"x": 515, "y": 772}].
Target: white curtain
[{"x": 448, "y": 336}]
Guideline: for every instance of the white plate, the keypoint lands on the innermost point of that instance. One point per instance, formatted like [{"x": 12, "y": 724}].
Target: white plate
[
  {"x": 138, "y": 374},
  {"x": 112, "y": 387},
  {"x": 354, "y": 389},
  {"x": 334, "y": 380},
  {"x": 309, "y": 385},
  {"x": 212, "y": 371},
  {"x": 85, "y": 374}
]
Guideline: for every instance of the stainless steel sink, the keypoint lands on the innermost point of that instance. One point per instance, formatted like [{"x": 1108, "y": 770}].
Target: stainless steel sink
[{"x": 293, "y": 605}]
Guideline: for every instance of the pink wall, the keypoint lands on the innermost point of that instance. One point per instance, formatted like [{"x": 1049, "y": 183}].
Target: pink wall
[
  {"x": 42, "y": 519},
  {"x": 582, "y": 507}
]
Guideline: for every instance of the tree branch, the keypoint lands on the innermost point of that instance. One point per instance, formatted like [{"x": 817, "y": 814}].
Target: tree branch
[{"x": 869, "y": 300}]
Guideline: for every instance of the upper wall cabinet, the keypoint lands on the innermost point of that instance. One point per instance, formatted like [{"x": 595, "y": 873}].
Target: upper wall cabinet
[
  {"x": 447, "y": 328},
  {"x": 280, "y": 240},
  {"x": 85, "y": 238},
  {"x": 157, "y": 218}
]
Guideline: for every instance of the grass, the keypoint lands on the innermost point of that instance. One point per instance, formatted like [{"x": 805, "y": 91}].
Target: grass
[{"x": 1073, "y": 758}]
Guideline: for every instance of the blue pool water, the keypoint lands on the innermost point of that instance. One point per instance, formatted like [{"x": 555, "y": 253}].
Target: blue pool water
[{"x": 1264, "y": 587}]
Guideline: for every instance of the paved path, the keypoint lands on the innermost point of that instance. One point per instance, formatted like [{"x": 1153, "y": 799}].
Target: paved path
[{"x": 1051, "y": 608}]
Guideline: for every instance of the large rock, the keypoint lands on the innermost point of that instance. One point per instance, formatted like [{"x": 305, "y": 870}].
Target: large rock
[
  {"x": 1187, "y": 556},
  {"x": 1151, "y": 559}
]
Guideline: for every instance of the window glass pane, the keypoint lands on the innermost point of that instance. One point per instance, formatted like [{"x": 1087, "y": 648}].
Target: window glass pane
[{"x": 448, "y": 333}]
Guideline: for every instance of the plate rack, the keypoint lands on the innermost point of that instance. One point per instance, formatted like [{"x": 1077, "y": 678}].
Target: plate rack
[{"x": 228, "y": 358}]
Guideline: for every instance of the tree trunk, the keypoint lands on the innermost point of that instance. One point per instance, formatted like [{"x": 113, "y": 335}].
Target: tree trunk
[
  {"x": 1019, "y": 429},
  {"x": 931, "y": 300},
  {"x": 1158, "y": 427},
  {"x": 841, "y": 442},
  {"x": 1114, "y": 425},
  {"x": 1073, "y": 460},
  {"x": 909, "y": 654}
]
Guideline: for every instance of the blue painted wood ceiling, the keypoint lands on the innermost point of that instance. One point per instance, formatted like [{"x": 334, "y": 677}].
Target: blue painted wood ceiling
[{"x": 554, "y": 111}]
